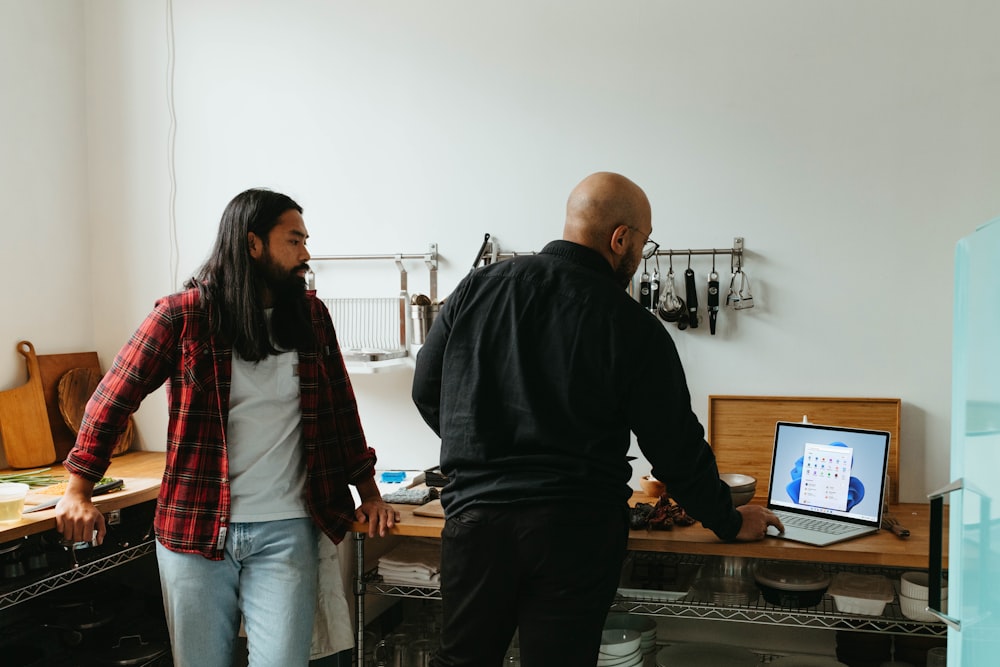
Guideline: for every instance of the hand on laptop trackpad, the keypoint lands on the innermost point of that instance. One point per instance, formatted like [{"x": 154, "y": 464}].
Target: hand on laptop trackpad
[{"x": 772, "y": 531}]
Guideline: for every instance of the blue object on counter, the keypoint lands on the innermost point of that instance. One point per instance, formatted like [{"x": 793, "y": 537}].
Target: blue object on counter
[{"x": 393, "y": 476}]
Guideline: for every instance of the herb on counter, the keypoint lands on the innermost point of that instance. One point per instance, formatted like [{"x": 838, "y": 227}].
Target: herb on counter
[{"x": 33, "y": 478}]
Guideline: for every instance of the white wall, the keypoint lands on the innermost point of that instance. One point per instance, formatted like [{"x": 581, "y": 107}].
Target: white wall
[
  {"x": 850, "y": 143},
  {"x": 44, "y": 252}
]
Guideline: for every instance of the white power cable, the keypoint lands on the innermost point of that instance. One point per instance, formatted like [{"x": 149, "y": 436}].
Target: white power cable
[{"x": 171, "y": 146}]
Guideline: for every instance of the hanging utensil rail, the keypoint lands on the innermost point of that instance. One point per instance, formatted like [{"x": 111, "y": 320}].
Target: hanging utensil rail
[
  {"x": 490, "y": 252},
  {"x": 736, "y": 251},
  {"x": 430, "y": 259}
]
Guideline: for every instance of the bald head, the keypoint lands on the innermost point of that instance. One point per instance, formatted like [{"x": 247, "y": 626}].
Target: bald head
[
  {"x": 600, "y": 204},
  {"x": 609, "y": 213}
]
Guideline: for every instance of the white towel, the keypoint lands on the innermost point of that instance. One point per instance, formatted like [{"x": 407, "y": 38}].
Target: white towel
[
  {"x": 419, "y": 570},
  {"x": 429, "y": 581},
  {"x": 333, "y": 625},
  {"x": 418, "y": 573},
  {"x": 415, "y": 552}
]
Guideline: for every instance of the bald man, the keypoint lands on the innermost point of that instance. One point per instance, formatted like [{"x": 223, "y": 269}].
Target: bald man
[{"x": 533, "y": 374}]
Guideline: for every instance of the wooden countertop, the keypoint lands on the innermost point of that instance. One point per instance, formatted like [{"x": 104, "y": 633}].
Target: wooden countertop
[
  {"x": 141, "y": 472},
  {"x": 883, "y": 549}
]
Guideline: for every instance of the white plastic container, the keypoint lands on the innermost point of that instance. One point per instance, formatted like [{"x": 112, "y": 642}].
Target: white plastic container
[
  {"x": 12, "y": 500},
  {"x": 863, "y": 594}
]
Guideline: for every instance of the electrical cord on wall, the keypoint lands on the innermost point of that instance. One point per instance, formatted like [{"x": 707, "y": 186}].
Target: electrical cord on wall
[{"x": 171, "y": 146}]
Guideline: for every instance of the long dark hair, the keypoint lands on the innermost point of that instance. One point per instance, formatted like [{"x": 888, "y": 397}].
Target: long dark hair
[{"x": 230, "y": 285}]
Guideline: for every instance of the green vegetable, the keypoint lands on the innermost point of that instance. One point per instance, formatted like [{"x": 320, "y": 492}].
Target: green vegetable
[{"x": 33, "y": 478}]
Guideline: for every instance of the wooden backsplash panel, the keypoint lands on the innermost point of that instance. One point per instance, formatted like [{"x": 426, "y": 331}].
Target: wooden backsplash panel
[{"x": 741, "y": 429}]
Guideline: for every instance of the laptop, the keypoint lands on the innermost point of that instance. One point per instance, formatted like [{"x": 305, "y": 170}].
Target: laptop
[{"x": 828, "y": 483}]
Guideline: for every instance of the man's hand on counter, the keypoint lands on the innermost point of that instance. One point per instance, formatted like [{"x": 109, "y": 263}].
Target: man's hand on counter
[
  {"x": 378, "y": 514},
  {"x": 77, "y": 518},
  {"x": 756, "y": 520}
]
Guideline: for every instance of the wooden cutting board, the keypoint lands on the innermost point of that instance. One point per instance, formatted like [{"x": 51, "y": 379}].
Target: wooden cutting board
[
  {"x": 76, "y": 387},
  {"x": 431, "y": 509},
  {"x": 24, "y": 422},
  {"x": 741, "y": 429},
  {"x": 52, "y": 368}
]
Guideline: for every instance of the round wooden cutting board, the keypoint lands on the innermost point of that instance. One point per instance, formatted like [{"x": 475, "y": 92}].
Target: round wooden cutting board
[{"x": 76, "y": 387}]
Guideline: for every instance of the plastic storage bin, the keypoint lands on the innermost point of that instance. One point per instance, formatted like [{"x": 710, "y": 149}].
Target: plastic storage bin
[{"x": 864, "y": 594}]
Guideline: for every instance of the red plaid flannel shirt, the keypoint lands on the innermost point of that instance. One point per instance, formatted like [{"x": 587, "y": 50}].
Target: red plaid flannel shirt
[{"x": 174, "y": 345}]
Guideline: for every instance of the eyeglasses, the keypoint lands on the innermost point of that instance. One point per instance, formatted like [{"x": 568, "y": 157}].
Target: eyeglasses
[{"x": 649, "y": 246}]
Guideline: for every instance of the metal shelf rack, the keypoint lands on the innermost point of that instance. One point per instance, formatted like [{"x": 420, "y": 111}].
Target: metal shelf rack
[
  {"x": 824, "y": 615},
  {"x": 13, "y": 596}
]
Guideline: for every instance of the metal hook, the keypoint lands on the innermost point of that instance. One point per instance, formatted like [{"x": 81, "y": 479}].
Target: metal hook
[{"x": 689, "y": 258}]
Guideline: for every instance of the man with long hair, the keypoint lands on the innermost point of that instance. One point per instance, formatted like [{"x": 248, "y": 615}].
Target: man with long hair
[{"x": 263, "y": 442}]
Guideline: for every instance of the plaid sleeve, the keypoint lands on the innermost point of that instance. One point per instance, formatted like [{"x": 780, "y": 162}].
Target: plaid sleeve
[{"x": 140, "y": 367}]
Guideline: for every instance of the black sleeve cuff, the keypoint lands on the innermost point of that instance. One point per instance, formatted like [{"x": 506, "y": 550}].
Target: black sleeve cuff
[{"x": 728, "y": 530}]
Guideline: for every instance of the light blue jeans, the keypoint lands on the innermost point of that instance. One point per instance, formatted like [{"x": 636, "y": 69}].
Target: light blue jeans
[{"x": 268, "y": 575}]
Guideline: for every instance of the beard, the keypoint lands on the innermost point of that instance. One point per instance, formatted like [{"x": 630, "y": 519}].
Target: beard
[
  {"x": 626, "y": 269},
  {"x": 291, "y": 325},
  {"x": 284, "y": 284}
]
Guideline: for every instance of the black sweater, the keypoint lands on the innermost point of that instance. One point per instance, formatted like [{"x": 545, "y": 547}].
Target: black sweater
[{"x": 534, "y": 372}]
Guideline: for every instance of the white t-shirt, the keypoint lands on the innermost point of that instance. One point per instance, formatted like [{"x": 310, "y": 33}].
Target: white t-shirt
[{"x": 267, "y": 473}]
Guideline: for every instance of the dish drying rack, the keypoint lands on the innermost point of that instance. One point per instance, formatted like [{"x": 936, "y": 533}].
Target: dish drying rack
[{"x": 372, "y": 332}]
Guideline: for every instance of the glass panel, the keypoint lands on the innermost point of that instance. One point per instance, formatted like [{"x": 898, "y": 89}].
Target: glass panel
[{"x": 975, "y": 456}]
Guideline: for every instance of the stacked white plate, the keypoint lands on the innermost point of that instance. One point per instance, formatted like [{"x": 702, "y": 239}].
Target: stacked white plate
[
  {"x": 644, "y": 625},
  {"x": 620, "y": 648}
]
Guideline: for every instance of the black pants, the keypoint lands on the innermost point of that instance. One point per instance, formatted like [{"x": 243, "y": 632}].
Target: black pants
[{"x": 549, "y": 572}]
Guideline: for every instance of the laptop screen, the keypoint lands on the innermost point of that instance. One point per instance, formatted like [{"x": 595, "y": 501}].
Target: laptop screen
[{"x": 829, "y": 471}]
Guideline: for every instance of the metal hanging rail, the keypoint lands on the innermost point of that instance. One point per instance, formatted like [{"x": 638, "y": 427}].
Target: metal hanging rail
[
  {"x": 490, "y": 253},
  {"x": 423, "y": 255},
  {"x": 736, "y": 251},
  {"x": 430, "y": 258}
]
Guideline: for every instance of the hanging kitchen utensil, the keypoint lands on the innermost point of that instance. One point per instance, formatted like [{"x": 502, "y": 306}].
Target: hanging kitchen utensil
[
  {"x": 733, "y": 297},
  {"x": 644, "y": 291},
  {"x": 713, "y": 297},
  {"x": 654, "y": 285},
  {"x": 482, "y": 248},
  {"x": 692, "y": 295},
  {"x": 670, "y": 306},
  {"x": 746, "y": 298}
]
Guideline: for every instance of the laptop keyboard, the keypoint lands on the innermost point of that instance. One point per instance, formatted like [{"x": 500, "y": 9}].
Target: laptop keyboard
[{"x": 812, "y": 523}]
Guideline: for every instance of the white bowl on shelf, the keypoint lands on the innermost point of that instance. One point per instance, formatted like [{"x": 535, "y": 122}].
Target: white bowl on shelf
[
  {"x": 916, "y": 610},
  {"x": 644, "y": 625},
  {"x": 915, "y": 585},
  {"x": 633, "y": 658},
  {"x": 619, "y": 643}
]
